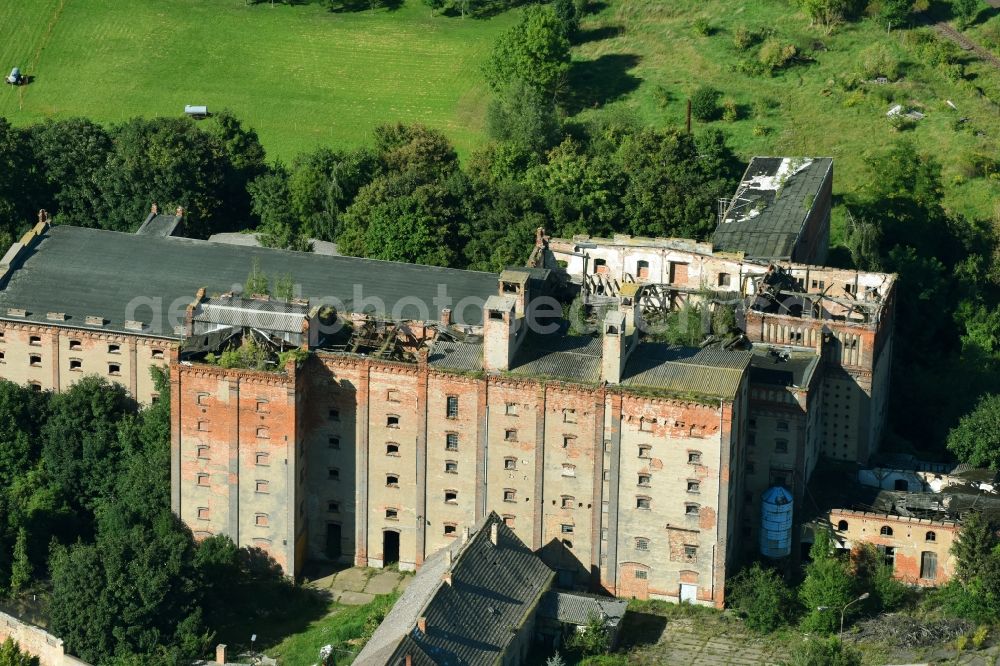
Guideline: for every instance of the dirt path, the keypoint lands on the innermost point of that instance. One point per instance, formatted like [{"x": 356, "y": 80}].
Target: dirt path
[{"x": 967, "y": 44}]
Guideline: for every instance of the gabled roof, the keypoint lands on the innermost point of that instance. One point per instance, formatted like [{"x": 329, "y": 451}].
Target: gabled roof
[
  {"x": 471, "y": 620},
  {"x": 151, "y": 279}
]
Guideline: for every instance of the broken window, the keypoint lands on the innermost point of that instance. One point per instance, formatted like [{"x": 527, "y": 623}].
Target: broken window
[
  {"x": 724, "y": 279},
  {"x": 34, "y": 360},
  {"x": 510, "y": 435},
  {"x": 510, "y": 463},
  {"x": 693, "y": 486},
  {"x": 450, "y": 529},
  {"x": 691, "y": 509},
  {"x": 451, "y": 496},
  {"x": 642, "y": 502},
  {"x": 452, "y": 409},
  {"x": 451, "y": 441},
  {"x": 509, "y": 495},
  {"x": 392, "y": 480},
  {"x": 392, "y": 449},
  {"x": 694, "y": 458},
  {"x": 75, "y": 345},
  {"x": 642, "y": 269},
  {"x": 451, "y": 466},
  {"x": 75, "y": 364},
  {"x": 391, "y": 513},
  {"x": 600, "y": 266},
  {"x": 644, "y": 479},
  {"x": 391, "y": 421},
  {"x": 114, "y": 349}
]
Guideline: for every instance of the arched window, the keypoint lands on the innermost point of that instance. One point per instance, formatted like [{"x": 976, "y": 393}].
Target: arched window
[
  {"x": 930, "y": 536},
  {"x": 885, "y": 531},
  {"x": 842, "y": 526}
]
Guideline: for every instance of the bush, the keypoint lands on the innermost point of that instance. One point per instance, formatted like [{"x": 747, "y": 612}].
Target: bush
[
  {"x": 730, "y": 110},
  {"x": 762, "y": 598},
  {"x": 761, "y": 130},
  {"x": 774, "y": 55},
  {"x": 878, "y": 60},
  {"x": 978, "y": 638},
  {"x": 828, "y": 652},
  {"x": 743, "y": 38},
  {"x": 763, "y": 106},
  {"x": 702, "y": 27},
  {"x": 705, "y": 103}
]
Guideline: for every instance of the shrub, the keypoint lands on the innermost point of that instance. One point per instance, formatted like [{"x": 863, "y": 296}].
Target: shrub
[
  {"x": 730, "y": 110},
  {"x": 743, "y": 38},
  {"x": 902, "y": 123},
  {"x": 762, "y": 106},
  {"x": 824, "y": 652},
  {"x": 705, "y": 103},
  {"x": 879, "y": 60},
  {"x": 702, "y": 27},
  {"x": 774, "y": 54},
  {"x": 762, "y": 598},
  {"x": 980, "y": 636},
  {"x": 961, "y": 643},
  {"x": 761, "y": 130}
]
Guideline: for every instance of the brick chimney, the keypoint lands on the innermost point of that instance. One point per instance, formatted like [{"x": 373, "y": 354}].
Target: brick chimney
[
  {"x": 620, "y": 335},
  {"x": 220, "y": 649},
  {"x": 502, "y": 331},
  {"x": 422, "y": 624},
  {"x": 446, "y": 317},
  {"x": 465, "y": 534},
  {"x": 155, "y": 210},
  {"x": 409, "y": 660}
]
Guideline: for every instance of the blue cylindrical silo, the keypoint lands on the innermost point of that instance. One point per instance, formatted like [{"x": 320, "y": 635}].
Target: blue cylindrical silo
[{"x": 776, "y": 523}]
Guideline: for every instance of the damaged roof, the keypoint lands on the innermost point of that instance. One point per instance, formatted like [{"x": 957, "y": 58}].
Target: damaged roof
[{"x": 769, "y": 210}]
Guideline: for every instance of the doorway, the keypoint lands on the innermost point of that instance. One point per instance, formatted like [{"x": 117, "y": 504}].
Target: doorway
[
  {"x": 390, "y": 547},
  {"x": 333, "y": 536}
]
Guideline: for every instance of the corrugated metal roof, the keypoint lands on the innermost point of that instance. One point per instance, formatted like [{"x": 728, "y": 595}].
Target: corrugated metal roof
[
  {"x": 576, "y": 608},
  {"x": 457, "y": 355},
  {"x": 250, "y": 313}
]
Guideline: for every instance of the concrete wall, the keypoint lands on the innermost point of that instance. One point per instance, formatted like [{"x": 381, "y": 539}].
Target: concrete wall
[{"x": 36, "y": 641}]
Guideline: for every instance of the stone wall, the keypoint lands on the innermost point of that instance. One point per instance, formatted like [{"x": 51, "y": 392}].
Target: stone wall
[{"x": 36, "y": 641}]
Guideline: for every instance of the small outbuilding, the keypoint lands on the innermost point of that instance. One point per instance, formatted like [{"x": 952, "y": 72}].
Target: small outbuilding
[
  {"x": 15, "y": 77},
  {"x": 196, "y": 111}
]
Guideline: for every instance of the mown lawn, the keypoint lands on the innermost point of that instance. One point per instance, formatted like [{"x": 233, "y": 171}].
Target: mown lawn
[
  {"x": 300, "y": 75},
  {"x": 656, "y": 58}
]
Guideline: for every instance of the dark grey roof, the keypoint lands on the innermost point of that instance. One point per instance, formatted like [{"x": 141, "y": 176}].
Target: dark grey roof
[
  {"x": 473, "y": 619},
  {"x": 780, "y": 366},
  {"x": 711, "y": 371},
  {"x": 160, "y": 225},
  {"x": 577, "y": 608},
  {"x": 769, "y": 210},
  {"x": 84, "y": 272}
]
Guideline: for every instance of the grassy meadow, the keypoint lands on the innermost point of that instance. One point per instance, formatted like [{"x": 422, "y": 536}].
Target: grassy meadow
[
  {"x": 301, "y": 75},
  {"x": 801, "y": 110}
]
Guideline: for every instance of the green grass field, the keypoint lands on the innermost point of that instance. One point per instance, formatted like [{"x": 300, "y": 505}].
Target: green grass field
[
  {"x": 305, "y": 77},
  {"x": 300, "y": 75},
  {"x": 668, "y": 59}
]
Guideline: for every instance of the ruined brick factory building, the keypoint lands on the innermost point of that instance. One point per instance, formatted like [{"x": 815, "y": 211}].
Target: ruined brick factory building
[{"x": 420, "y": 398}]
